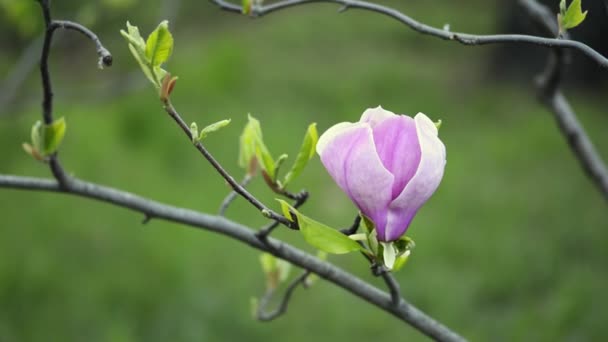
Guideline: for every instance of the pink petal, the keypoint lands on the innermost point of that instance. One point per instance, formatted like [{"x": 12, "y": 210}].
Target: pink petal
[
  {"x": 422, "y": 185},
  {"x": 348, "y": 152},
  {"x": 397, "y": 145},
  {"x": 374, "y": 116}
]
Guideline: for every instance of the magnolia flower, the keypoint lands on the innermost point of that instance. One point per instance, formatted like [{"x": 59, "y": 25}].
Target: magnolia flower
[{"x": 389, "y": 165}]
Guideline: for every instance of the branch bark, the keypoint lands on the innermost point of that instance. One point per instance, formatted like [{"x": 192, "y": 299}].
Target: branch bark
[
  {"x": 549, "y": 93},
  {"x": 405, "y": 311},
  {"x": 463, "y": 38},
  {"x": 575, "y": 134}
]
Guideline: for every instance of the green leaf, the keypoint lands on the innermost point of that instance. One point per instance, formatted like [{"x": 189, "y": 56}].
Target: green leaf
[
  {"x": 247, "y": 4},
  {"x": 133, "y": 36},
  {"x": 367, "y": 222},
  {"x": 53, "y": 136},
  {"x": 194, "y": 132},
  {"x": 275, "y": 269},
  {"x": 141, "y": 60},
  {"x": 37, "y": 135},
  {"x": 137, "y": 46},
  {"x": 214, "y": 127},
  {"x": 159, "y": 45},
  {"x": 571, "y": 17},
  {"x": 319, "y": 235},
  {"x": 401, "y": 261},
  {"x": 261, "y": 151},
  {"x": 372, "y": 241},
  {"x": 252, "y": 145},
  {"x": 307, "y": 151},
  {"x": 278, "y": 163}
]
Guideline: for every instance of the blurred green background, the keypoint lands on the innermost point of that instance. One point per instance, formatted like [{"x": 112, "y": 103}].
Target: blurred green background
[{"x": 512, "y": 247}]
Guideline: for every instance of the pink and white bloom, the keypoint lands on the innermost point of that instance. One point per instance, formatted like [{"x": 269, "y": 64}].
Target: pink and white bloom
[{"x": 389, "y": 165}]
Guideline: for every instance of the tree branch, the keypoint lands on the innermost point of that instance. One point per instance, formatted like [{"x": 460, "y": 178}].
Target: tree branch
[
  {"x": 264, "y": 316},
  {"x": 232, "y": 195},
  {"x": 463, "y": 38},
  {"x": 404, "y": 311},
  {"x": 267, "y": 212},
  {"x": 265, "y": 231},
  {"x": 105, "y": 58},
  {"x": 569, "y": 124},
  {"x": 550, "y": 94}
]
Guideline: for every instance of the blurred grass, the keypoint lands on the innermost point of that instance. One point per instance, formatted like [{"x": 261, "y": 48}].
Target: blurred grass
[{"x": 511, "y": 247}]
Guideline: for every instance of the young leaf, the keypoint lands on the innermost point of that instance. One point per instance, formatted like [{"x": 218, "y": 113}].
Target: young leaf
[
  {"x": 247, "y": 144},
  {"x": 137, "y": 46},
  {"x": 247, "y": 4},
  {"x": 278, "y": 163},
  {"x": 213, "y": 128},
  {"x": 53, "y": 136},
  {"x": 159, "y": 45},
  {"x": 29, "y": 149},
  {"x": 141, "y": 60},
  {"x": 307, "y": 151},
  {"x": 37, "y": 135},
  {"x": 571, "y": 17},
  {"x": 261, "y": 151},
  {"x": 252, "y": 146},
  {"x": 319, "y": 235},
  {"x": 194, "y": 132},
  {"x": 275, "y": 269},
  {"x": 401, "y": 261}
]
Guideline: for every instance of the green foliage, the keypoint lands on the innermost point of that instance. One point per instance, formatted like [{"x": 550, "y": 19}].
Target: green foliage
[
  {"x": 247, "y": 6},
  {"x": 159, "y": 45},
  {"x": 572, "y": 16},
  {"x": 53, "y": 136},
  {"x": 319, "y": 235},
  {"x": 276, "y": 270},
  {"x": 252, "y": 145},
  {"x": 307, "y": 151},
  {"x": 151, "y": 54},
  {"x": 214, "y": 127},
  {"x": 45, "y": 139}
]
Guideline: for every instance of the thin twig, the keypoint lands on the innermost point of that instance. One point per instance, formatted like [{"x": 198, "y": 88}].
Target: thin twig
[
  {"x": 105, "y": 58},
  {"x": 232, "y": 195},
  {"x": 463, "y": 38},
  {"x": 391, "y": 282},
  {"x": 265, "y": 316},
  {"x": 265, "y": 231},
  {"x": 267, "y": 212},
  {"x": 217, "y": 224},
  {"x": 353, "y": 228},
  {"x": 550, "y": 94},
  {"x": 576, "y": 136}
]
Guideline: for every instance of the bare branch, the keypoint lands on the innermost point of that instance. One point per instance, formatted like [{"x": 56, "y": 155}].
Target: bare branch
[
  {"x": 353, "y": 228},
  {"x": 389, "y": 279},
  {"x": 463, "y": 38},
  {"x": 217, "y": 224},
  {"x": 264, "y": 316},
  {"x": 266, "y": 230},
  {"x": 232, "y": 195},
  {"x": 550, "y": 94},
  {"x": 105, "y": 57}
]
